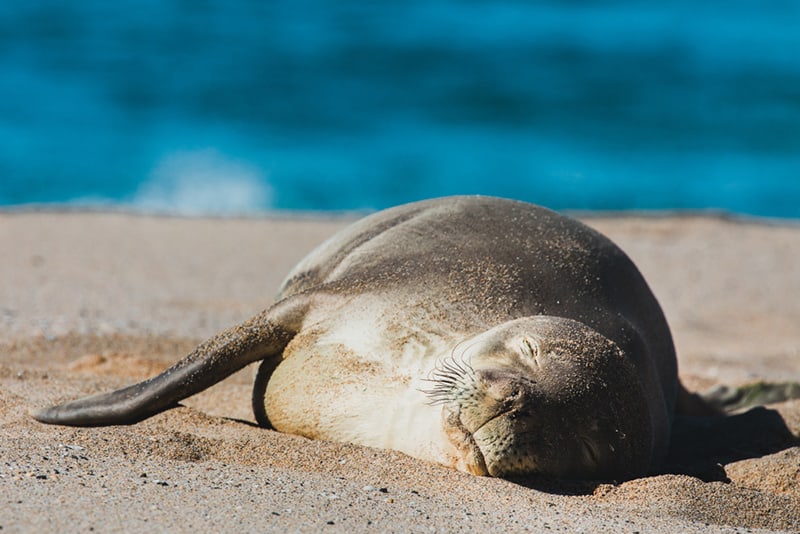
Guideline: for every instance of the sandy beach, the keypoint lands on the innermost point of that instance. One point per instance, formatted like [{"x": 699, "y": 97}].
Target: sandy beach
[{"x": 94, "y": 301}]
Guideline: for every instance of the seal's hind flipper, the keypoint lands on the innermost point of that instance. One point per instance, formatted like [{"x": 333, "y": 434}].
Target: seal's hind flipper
[
  {"x": 722, "y": 399},
  {"x": 262, "y": 337},
  {"x": 729, "y": 398}
]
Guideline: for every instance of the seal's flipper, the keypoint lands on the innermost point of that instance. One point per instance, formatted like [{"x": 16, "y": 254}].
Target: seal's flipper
[
  {"x": 262, "y": 337},
  {"x": 722, "y": 399},
  {"x": 730, "y": 399}
]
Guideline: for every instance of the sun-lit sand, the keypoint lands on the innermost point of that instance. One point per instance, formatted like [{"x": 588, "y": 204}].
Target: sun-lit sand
[{"x": 91, "y": 302}]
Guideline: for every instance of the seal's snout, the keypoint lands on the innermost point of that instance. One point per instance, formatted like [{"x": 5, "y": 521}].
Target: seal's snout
[
  {"x": 526, "y": 396},
  {"x": 493, "y": 393},
  {"x": 501, "y": 387}
]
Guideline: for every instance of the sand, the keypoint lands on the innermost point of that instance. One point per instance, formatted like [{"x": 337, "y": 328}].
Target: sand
[{"x": 94, "y": 301}]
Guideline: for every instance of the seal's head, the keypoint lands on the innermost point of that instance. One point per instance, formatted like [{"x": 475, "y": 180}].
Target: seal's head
[{"x": 544, "y": 395}]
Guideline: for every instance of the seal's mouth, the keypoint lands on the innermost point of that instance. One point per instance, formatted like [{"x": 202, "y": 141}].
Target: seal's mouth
[
  {"x": 499, "y": 414},
  {"x": 464, "y": 412},
  {"x": 472, "y": 457},
  {"x": 507, "y": 450},
  {"x": 486, "y": 435},
  {"x": 478, "y": 412}
]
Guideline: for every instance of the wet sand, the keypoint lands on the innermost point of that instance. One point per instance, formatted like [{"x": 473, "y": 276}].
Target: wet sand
[{"x": 93, "y": 301}]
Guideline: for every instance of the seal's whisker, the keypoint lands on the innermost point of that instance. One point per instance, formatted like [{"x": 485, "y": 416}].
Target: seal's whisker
[
  {"x": 459, "y": 353},
  {"x": 450, "y": 377}
]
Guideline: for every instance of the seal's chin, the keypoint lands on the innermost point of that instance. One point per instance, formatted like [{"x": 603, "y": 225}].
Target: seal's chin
[
  {"x": 474, "y": 461},
  {"x": 487, "y": 442},
  {"x": 470, "y": 456},
  {"x": 492, "y": 449}
]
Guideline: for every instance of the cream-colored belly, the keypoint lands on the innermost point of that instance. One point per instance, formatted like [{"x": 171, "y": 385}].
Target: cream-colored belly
[{"x": 352, "y": 386}]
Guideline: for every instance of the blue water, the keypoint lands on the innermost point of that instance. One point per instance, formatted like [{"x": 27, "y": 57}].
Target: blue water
[{"x": 241, "y": 106}]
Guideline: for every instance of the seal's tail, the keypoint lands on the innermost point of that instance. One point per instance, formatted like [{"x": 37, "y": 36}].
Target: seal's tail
[{"x": 224, "y": 354}]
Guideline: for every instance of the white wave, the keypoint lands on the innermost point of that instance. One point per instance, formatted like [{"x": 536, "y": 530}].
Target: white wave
[{"x": 204, "y": 182}]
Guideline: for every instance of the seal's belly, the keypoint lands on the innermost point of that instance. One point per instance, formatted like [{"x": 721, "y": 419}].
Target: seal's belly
[{"x": 340, "y": 388}]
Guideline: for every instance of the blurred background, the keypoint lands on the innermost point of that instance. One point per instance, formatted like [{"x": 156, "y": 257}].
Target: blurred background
[{"x": 243, "y": 106}]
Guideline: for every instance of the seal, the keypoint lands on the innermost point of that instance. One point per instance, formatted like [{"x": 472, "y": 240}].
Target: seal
[{"x": 489, "y": 335}]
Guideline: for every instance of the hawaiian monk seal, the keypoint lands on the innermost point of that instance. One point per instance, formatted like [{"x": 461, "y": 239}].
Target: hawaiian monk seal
[{"x": 489, "y": 335}]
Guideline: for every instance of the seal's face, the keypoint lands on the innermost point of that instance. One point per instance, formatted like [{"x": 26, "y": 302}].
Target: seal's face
[{"x": 544, "y": 395}]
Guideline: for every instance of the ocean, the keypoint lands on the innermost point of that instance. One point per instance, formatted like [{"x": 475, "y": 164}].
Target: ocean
[{"x": 243, "y": 107}]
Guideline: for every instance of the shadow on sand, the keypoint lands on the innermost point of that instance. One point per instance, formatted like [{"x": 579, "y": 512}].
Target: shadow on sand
[{"x": 701, "y": 446}]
